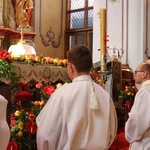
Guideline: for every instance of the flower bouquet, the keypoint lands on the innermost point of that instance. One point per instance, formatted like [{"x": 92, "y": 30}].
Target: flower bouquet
[
  {"x": 126, "y": 97},
  {"x": 23, "y": 114}
]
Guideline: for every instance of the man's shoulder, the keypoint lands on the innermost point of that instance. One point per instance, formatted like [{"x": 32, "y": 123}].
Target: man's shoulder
[{"x": 62, "y": 89}]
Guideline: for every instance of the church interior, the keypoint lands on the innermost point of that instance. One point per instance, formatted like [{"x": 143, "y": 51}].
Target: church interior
[{"x": 34, "y": 39}]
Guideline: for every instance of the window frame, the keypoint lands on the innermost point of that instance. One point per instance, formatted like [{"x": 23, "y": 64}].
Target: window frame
[{"x": 76, "y": 31}]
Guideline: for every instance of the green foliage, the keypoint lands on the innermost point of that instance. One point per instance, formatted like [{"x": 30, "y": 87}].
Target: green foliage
[
  {"x": 127, "y": 96},
  {"x": 7, "y": 71}
]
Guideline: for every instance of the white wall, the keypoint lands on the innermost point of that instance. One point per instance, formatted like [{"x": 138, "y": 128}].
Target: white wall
[
  {"x": 135, "y": 33},
  {"x": 125, "y": 27},
  {"x": 96, "y": 29}
]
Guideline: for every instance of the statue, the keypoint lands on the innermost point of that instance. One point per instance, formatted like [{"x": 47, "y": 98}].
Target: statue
[{"x": 23, "y": 10}]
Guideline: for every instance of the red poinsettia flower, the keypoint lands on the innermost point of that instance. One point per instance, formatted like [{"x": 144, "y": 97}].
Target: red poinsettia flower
[
  {"x": 4, "y": 54},
  {"x": 23, "y": 95},
  {"x": 31, "y": 127},
  {"x": 12, "y": 146},
  {"x": 49, "y": 89}
]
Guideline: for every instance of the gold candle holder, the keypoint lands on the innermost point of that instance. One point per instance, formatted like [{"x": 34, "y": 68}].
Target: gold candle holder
[{"x": 103, "y": 59}]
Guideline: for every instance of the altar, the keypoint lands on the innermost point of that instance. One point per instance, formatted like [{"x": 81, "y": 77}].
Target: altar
[
  {"x": 40, "y": 72},
  {"x": 32, "y": 99}
]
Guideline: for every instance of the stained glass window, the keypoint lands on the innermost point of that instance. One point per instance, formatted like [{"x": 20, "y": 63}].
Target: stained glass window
[
  {"x": 79, "y": 14},
  {"x": 90, "y": 3},
  {"x": 79, "y": 27},
  {"x": 76, "y": 4}
]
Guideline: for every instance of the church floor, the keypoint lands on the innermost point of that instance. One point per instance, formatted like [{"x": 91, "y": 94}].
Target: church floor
[{"x": 120, "y": 142}]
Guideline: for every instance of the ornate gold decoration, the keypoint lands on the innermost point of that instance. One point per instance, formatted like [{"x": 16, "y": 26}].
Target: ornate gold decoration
[
  {"x": 21, "y": 38},
  {"x": 23, "y": 14}
]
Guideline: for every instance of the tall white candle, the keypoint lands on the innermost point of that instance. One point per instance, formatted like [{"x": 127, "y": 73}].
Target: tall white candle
[{"x": 103, "y": 39}]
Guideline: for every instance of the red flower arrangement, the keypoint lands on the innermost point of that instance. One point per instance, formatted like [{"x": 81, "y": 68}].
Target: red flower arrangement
[
  {"x": 23, "y": 95},
  {"x": 96, "y": 77},
  {"x": 27, "y": 104},
  {"x": 22, "y": 119},
  {"x": 126, "y": 97},
  {"x": 6, "y": 68},
  {"x": 4, "y": 54}
]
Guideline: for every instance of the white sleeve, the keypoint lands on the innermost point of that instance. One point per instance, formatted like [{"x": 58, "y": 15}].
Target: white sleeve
[
  {"x": 138, "y": 121},
  {"x": 49, "y": 123},
  {"x": 113, "y": 123}
]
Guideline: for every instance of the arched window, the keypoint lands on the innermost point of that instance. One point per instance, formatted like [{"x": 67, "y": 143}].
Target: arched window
[{"x": 79, "y": 25}]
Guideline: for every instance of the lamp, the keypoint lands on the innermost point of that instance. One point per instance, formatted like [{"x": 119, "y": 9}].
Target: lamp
[
  {"x": 21, "y": 48},
  {"x": 114, "y": 1}
]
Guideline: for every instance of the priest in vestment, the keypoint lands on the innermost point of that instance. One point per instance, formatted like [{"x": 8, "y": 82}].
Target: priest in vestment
[
  {"x": 137, "y": 127},
  {"x": 78, "y": 115}
]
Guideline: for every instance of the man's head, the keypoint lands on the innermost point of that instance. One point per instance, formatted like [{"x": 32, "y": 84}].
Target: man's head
[
  {"x": 79, "y": 61},
  {"x": 142, "y": 73}
]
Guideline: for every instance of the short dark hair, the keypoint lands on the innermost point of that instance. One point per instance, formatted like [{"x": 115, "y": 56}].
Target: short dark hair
[{"x": 81, "y": 57}]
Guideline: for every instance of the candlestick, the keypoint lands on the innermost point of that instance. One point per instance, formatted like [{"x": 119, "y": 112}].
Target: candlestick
[{"x": 103, "y": 39}]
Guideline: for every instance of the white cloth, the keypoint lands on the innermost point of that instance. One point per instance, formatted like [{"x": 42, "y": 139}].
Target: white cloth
[
  {"x": 4, "y": 129},
  {"x": 137, "y": 128},
  {"x": 21, "y": 49},
  {"x": 68, "y": 123}
]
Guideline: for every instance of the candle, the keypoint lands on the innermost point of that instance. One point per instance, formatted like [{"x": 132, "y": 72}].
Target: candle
[{"x": 103, "y": 39}]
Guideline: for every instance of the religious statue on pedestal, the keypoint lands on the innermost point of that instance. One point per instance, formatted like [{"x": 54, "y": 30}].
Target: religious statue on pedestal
[{"x": 23, "y": 10}]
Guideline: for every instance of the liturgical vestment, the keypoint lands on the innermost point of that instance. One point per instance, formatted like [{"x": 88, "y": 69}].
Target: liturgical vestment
[
  {"x": 137, "y": 128},
  {"x": 67, "y": 122}
]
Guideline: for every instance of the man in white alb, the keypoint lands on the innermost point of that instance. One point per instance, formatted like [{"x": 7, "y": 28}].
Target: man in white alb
[
  {"x": 79, "y": 115},
  {"x": 137, "y": 128}
]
